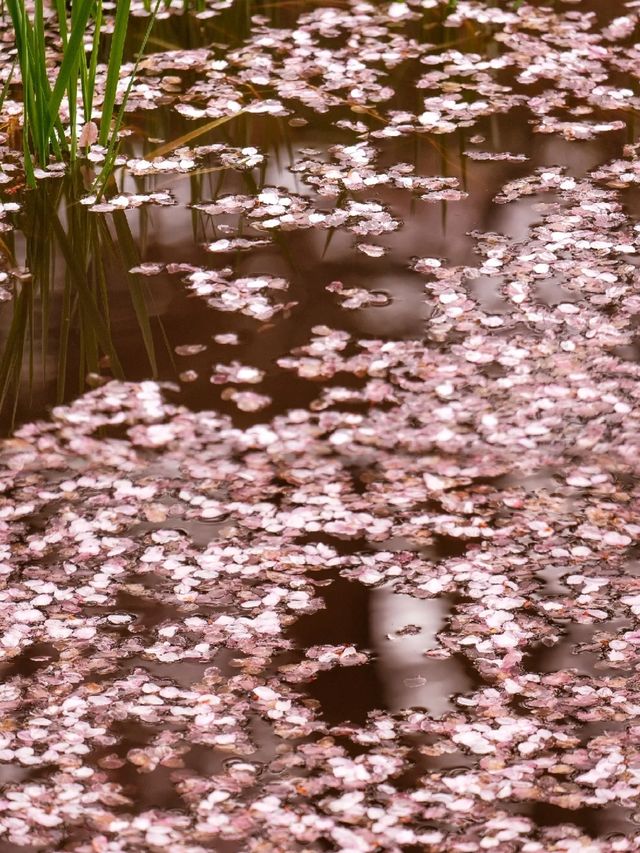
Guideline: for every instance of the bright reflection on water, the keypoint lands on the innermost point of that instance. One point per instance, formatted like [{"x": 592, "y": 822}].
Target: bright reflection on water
[{"x": 411, "y": 679}]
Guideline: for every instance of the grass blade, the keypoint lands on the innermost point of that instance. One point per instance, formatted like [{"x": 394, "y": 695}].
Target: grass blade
[
  {"x": 192, "y": 134},
  {"x": 112, "y": 150},
  {"x": 74, "y": 51},
  {"x": 89, "y": 76},
  {"x": 113, "y": 69}
]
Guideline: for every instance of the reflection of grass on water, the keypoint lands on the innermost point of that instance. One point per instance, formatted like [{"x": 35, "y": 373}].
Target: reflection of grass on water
[
  {"x": 187, "y": 5},
  {"x": 74, "y": 255}
]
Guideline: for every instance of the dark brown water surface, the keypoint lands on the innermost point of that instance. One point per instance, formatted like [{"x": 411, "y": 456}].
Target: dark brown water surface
[{"x": 176, "y": 318}]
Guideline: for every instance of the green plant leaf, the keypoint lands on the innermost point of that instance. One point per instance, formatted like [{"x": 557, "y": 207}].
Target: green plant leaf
[{"x": 113, "y": 69}]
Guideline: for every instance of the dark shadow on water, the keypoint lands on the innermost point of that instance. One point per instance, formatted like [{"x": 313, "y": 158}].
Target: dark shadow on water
[
  {"x": 145, "y": 790},
  {"x": 348, "y": 693},
  {"x": 344, "y": 693},
  {"x": 593, "y": 821},
  {"x": 35, "y": 657},
  {"x": 561, "y": 656}
]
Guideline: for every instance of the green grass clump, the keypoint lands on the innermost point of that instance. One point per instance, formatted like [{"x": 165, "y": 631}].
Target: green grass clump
[{"x": 45, "y": 136}]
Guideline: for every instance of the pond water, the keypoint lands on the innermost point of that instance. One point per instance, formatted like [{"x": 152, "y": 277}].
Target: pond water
[{"x": 318, "y": 496}]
